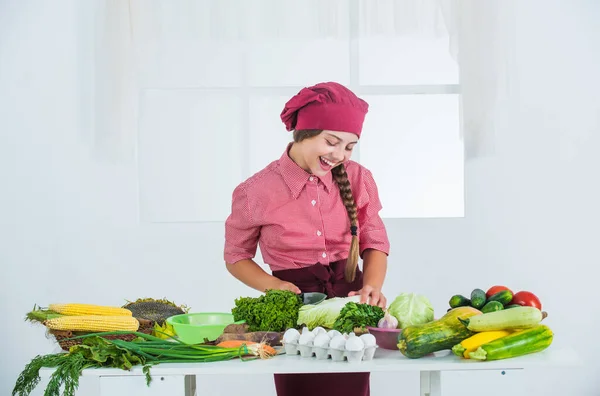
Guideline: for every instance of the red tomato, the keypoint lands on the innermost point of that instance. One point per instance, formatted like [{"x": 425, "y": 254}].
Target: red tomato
[
  {"x": 495, "y": 289},
  {"x": 527, "y": 299}
]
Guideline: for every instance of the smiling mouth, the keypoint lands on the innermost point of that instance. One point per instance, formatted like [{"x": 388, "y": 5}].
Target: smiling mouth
[{"x": 327, "y": 162}]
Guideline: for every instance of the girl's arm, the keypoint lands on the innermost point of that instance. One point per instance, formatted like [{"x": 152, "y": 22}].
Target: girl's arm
[
  {"x": 251, "y": 274},
  {"x": 374, "y": 270}
]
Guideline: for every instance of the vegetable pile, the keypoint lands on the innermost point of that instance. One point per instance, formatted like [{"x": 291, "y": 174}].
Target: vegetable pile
[
  {"x": 491, "y": 325},
  {"x": 505, "y": 334},
  {"x": 486, "y": 325},
  {"x": 495, "y": 299},
  {"x": 63, "y": 321}
]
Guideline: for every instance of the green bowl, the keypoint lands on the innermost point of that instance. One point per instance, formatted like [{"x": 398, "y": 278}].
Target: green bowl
[{"x": 194, "y": 328}]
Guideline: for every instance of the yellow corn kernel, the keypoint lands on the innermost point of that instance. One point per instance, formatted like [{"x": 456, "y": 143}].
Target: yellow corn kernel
[
  {"x": 88, "y": 309},
  {"x": 93, "y": 323},
  {"x": 475, "y": 341}
]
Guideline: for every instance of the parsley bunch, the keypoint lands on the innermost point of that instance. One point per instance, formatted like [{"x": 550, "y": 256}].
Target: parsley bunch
[
  {"x": 355, "y": 315},
  {"x": 276, "y": 310}
]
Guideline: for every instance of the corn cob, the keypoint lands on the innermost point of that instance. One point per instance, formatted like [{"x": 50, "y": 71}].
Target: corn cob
[
  {"x": 93, "y": 323},
  {"x": 88, "y": 309}
]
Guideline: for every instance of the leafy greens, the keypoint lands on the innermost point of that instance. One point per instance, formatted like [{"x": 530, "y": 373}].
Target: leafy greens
[
  {"x": 356, "y": 315},
  {"x": 324, "y": 313},
  {"x": 276, "y": 310}
]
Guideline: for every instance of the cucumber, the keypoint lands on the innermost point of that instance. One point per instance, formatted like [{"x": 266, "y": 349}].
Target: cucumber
[
  {"x": 519, "y": 343},
  {"x": 504, "y": 297},
  {"x": 512, "y": 306},
  {"x": 459, "y": 301},
  {"x": 478, "y": 298},
  {"x": 492, "y": 306},
  {"x": 514, "y": 318}
]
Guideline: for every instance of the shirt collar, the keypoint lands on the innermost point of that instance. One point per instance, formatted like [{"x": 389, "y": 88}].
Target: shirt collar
[{"x": 296, "y": 178}]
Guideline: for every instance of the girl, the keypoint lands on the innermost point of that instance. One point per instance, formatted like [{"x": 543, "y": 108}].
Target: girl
[{"x": 313, "y": 212}]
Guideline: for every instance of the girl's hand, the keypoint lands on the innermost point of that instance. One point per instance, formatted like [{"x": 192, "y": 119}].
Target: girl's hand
[
  {"x": 282, "y": 285},
  {"x": 371, "y": 295}
]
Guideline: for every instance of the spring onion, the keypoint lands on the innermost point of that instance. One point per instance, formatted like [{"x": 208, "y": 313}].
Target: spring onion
[{"x": 146, "y": 350}]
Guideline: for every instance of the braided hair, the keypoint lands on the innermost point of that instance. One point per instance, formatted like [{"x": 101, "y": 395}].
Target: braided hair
[{"x": 341, "y": 179}]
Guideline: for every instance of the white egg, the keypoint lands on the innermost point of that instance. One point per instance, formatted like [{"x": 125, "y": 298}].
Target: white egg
[
  {"x": 291, "y": 335},
  {"x": 307, "y": 337},
  {"x": 317, "y": 330},
  {"x": 338, "y": 342},
  {"x": 368, "y": 340},
  {"x": 322, "y": 340},
  {"x": 333, "y": 333},
  {"x": 354, "y": 343}
]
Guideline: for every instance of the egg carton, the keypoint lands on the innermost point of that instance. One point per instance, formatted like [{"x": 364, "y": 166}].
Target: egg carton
[{"x": 337, "y": 355}]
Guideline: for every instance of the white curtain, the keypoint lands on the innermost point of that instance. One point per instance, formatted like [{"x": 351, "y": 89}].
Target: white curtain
[
  {"x": 480, "y": 34},
  {"x": 482, "y": 40}
]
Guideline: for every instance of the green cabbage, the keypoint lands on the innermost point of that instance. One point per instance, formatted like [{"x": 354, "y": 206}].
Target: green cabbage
[
  {"x": 324, "y": 313},
  {"x": 411, "y": 309}
]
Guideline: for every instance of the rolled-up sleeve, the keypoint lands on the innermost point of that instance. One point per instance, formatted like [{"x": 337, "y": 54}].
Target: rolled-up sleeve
[
  {"x": 241, "y": 234},
  {"x": 372, "y": 232}
]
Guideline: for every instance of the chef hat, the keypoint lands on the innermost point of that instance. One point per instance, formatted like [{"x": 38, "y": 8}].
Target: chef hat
[{"x": 327, "y": 105}]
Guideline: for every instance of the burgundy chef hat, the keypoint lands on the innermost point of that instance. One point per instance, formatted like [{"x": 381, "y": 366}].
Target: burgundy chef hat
[{"x": 327, "y": 105}]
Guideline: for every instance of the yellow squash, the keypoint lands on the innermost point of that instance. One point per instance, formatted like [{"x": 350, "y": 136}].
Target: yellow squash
[{"x": 475, "y": 341}]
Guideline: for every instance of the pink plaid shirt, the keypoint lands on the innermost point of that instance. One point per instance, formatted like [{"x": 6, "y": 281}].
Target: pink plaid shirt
[{"x": 298, "y": 219}]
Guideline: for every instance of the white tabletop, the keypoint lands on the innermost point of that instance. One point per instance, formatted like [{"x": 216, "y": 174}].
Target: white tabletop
[{"x": 384, "y": 361}]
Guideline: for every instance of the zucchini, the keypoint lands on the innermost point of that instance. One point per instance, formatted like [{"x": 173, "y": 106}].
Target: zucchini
[
  {"x": 519, "y": 343},
  {"x": 459, "y": 301},
  {"x": 492, "y": 306},
  {"x": 478, "y": 298},
  {"x": 420, "y": 340},
  {"x": 514, "y": 318},
  {"x": 504, "y": 297}
]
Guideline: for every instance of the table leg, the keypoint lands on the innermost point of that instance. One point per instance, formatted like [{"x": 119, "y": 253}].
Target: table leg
[
  {"x": 431, "y": 383},
  {"x": 190, "y": 385}
]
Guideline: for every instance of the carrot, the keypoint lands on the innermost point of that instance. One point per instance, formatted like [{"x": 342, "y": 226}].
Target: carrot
[{"x": 256, "y": 348}]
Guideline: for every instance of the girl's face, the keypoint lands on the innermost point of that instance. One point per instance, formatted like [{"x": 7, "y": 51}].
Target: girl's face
[{"x": 319, "y": 154}]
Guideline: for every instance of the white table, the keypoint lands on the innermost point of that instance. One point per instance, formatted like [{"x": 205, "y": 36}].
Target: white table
[{"x": 175, "y": 378}]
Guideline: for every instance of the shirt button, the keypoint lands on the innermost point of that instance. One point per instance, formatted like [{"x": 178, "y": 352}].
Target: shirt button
[
  {"x": 324, "y": 255},
  {"x": 319, "y": 233},
  {"x": 313, "y": 202},
  {"x": 311, "y": 178}
]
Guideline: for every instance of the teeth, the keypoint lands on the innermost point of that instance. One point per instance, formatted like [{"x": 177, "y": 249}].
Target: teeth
[{"x": 327, "y": 162}]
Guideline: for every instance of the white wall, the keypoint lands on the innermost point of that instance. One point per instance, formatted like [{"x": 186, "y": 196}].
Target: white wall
[{"x": 70, "y": 227}]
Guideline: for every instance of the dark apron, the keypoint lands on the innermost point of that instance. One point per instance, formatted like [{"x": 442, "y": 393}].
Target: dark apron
[{"x": 329, "y": 280}]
